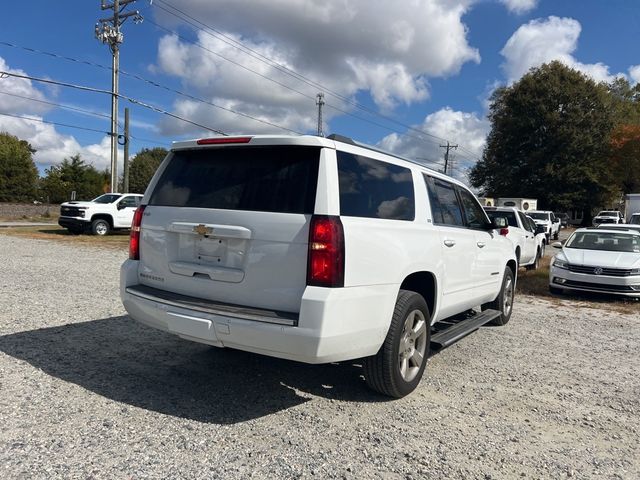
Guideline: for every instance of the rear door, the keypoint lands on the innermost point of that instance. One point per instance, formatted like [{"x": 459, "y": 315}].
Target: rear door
[
  {"x": 530, "y": 248},
  {"x": 487, "y": 269},
  {"x": 230, "y": 224},
  {"x": 458, "y": 247},
  {"x": 125, "y": 209}
]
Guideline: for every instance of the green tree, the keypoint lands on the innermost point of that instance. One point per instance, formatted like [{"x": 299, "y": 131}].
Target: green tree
[
  {"x": 73, "y": 175},
  {"x": 143, "y": 166},
  {"x": 18, "y": 172},
  {"x": 550, "y": 139}
]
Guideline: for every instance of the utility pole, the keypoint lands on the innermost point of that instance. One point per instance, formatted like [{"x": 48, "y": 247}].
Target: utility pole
[
  {"x": 320, "y": 103},
  {"x": 125, "y": 174},
  {"x": 448, "y": 147},
  {"x": 108, "y": 31}
]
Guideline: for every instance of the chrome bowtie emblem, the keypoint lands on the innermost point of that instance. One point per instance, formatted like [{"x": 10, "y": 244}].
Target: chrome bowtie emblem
[
  {"x": 202, "y": 230},
  {"x": 597, "y": 270}
]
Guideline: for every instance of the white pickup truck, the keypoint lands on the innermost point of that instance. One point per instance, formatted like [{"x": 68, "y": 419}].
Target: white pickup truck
[
  {"x": 528, "y": 239},
  {"x": 548, "y": 220},
  {"x": 101, "y": 215}
]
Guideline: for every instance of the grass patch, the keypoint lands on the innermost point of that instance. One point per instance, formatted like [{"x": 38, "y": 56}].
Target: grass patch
[
  {"x": 536, "y": 283},
  {"x": 118, "y": 239}
]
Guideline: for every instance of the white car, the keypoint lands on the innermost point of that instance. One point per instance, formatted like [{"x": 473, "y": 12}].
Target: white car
[
  {"x": 608, "y": 216},
  {"x": 316, "y": 250},
  {"x": 598, "y": 260},
  {"x": 528, "y": 243},
  {"x": 111, "y": 211}
]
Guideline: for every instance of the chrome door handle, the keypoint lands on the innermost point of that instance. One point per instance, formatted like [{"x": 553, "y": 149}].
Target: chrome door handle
[
  {"x": 449, "y": 243},
  {"x": 481, "y": 244}
]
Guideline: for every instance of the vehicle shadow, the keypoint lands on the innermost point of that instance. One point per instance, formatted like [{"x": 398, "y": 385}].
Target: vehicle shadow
[{"x": 130, "y": 363}]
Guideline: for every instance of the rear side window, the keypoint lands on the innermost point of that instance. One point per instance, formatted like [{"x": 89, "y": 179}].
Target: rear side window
[
  {"x": 445, "y": 207},
  {"x": 473, "y": 212},
  {"x": 374, "y": 189},
  {"x": 279, "y": 179}
]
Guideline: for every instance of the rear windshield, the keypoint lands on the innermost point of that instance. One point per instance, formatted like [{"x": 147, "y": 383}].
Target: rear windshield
[
  {"x": 510, "y": 216},
  {"x": 279, "y": 179}
]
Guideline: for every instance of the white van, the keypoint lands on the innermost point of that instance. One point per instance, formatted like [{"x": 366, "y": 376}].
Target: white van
[{"x": 316, "y": 250}]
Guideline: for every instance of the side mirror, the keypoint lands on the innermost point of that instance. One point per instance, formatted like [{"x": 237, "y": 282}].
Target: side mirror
[
  {"x": 498, "y": 223},
  {"x": 556, "y": 245}
]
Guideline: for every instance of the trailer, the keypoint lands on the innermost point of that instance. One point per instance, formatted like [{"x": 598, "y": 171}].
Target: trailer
[
  {"x": 524, "y": 204},
  {"x": 631, "y": 205}
]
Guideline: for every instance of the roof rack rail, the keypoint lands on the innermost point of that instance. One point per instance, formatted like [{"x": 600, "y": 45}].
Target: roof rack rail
[{"x": 341, "y": 138}]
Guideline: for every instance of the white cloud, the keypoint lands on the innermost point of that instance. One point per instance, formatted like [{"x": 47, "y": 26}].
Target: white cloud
[
  {"x": 12, "y": 91},
  {"x": 543, "y": 40},
  {"x": 634, "y": 74},
  {"x": 52, "y": 146},
  {"x": 467, "y": 130},
  {"x": 520, "y": 6},
  {"x": 347, "y": 46}
]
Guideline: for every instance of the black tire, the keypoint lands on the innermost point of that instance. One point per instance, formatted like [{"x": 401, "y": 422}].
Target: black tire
[
  {"x": 383, "y": 371},
  {"x": 100, "y": 227},
  {"x": 555, "y": 236},
  {"x": 504, "y": 301},
  {"x": 536, "y": 262},
  {"x": 555, "y": 290}
]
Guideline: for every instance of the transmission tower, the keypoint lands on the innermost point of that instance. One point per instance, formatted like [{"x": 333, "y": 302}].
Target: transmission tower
[
  {"x": 320, "y": 103},
  {"x": 108, "y": 32}
]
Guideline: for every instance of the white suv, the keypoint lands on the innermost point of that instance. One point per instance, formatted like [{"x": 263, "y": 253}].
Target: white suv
[{"x": 316, "y": 250}]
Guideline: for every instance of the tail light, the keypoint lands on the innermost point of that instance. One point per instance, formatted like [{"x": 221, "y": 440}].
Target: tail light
[
  {"x": 134, "y": 238},
  {"x": 325, "y": 266},
  {"x": 504, "y": 232}
]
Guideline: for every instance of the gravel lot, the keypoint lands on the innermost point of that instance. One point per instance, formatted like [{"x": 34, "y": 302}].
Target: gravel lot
[{"x": 87, "y": 393}]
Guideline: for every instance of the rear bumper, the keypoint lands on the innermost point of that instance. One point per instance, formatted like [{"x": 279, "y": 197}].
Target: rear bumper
[{"x": 333, "y": 324}]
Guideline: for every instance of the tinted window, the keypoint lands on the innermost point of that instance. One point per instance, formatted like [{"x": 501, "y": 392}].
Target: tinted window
[
  {"x": 269, "y": 179},
  {"x": 106, "y": 198},
  {"x": 445, "y": 207},
  {"x": 130, "y": 201},
  {"x": 373, "y": 189},
  {"x": 510, "y": 216},
  {"x": 473, "y": 212},
  {"x": 525, "y": 222}
]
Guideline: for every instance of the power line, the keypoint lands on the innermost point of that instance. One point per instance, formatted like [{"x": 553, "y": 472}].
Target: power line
[
  {"x": 39, "y": 120},
  {"x": 192, "y": 97},
  {"x": 152, "y": 82},
  {"x": 282, "y": 68},
  {"x": 24, "y": 117},
  {"x": 4, "y": 74},
  {"x": 66, "y": 107}
]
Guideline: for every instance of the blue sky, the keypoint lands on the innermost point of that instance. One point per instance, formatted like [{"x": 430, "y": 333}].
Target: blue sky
[{"x": 406, "y": 75}]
